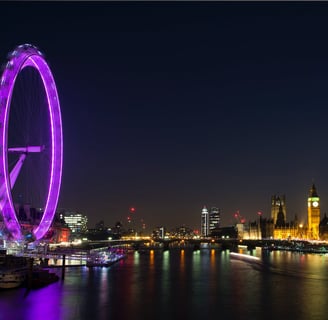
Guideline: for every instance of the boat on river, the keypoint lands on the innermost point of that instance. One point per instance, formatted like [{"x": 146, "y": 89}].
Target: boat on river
[
  {"x": 13, "y": 271},
  {"x": 245, "y": 257},
  {"x": 40, "y": 278},
  {"x": 17, "y": 271},
  {"x": 105, "y": 257},
  {"x": 12, "y": 278}
]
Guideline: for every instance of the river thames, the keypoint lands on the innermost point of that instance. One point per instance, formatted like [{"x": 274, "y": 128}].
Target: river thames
[{"x": 181, "y": 284}]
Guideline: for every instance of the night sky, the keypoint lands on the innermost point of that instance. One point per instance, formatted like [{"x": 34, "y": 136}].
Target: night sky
[{"x": 169, "y": 106}]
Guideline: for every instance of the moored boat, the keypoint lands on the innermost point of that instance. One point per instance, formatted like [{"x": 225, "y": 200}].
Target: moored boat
[
  {"x": 13, "y": 270},
  {"x": 12, "y": 277},
  {"x": 40, "y": 278}
]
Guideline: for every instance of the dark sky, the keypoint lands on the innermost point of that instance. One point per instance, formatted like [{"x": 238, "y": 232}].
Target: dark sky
[{"x": 172, "y": 106}]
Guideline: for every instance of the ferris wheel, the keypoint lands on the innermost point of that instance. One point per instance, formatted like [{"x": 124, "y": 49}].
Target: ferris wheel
[{"x": 31, "y": 140}]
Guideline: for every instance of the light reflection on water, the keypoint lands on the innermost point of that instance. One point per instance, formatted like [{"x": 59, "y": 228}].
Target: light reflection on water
[{"x": 181, "y": 284}]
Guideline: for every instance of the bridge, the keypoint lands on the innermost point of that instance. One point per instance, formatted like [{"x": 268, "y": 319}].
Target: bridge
[
  {"x": 196, "y": 244},
  {"x": 78, "y": 254}
]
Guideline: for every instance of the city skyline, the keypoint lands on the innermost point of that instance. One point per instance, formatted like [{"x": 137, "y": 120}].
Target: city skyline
[
  {"x": 168, "y": 107},
  {"x": 238, "y": 217}
]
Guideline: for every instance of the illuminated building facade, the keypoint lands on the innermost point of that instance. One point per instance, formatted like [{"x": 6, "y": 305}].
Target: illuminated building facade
[
  {"x": 287, "y": 231},
  {"x": 77, "y": 222},
  {"x": 214, "y": 219},
  {"x": 205, "y": 222},
  {"x": 278, "y": 204},
  {"x": 313, "y": 214},
  {"x": 294, "y": 229},
  {"x": 277, "y": 227}
]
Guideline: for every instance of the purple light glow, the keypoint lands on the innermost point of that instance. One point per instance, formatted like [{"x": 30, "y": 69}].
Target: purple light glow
[{"x": 21, "y": 57}]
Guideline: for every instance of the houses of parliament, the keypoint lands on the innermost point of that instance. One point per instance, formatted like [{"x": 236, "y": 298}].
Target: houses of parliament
[{"x": 277, "y": 226}]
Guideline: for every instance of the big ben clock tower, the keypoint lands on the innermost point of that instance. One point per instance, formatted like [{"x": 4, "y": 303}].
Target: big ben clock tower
[{"x": 313, "y": 214}]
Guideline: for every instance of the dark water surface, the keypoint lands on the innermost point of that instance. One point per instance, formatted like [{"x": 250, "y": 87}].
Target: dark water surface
[{"x": 204, "y": 284}]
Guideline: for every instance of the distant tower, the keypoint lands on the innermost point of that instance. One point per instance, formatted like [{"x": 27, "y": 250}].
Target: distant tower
[
  {"x": 205, "y": 222},
  {"x": 313, "y": 214},
  {"x": 276, "y": 203},
  {"x": 280, "y": 217},
  {"x": 214, "y": 219}
]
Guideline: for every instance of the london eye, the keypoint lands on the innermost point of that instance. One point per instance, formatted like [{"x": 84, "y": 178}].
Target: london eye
[{"x": 31, "y": 140}]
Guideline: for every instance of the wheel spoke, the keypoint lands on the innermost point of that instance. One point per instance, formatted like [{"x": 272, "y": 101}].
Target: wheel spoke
[{"x": 28, "y": 149}]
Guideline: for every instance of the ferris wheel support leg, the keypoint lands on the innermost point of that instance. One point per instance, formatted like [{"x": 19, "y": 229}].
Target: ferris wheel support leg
[
  {"x": 13, "y": 176},
  {"x": 15, "y": 172}
]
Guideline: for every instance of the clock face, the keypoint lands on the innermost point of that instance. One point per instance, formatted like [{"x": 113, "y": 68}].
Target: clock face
[{"x": 315, "y": 204}]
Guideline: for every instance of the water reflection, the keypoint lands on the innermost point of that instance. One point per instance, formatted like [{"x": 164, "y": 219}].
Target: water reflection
[
  {"x": 181, "y": 284},
  {"x": 47, "y": 304}
]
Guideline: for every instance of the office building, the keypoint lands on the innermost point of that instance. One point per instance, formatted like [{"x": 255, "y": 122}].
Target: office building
[
  {"x": 204, "y": 222},
  {"x": 214, "y": 219}
]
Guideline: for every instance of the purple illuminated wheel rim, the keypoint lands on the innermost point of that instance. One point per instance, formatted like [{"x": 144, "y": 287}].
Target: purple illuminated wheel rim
[{"x": 29, "y": 56}]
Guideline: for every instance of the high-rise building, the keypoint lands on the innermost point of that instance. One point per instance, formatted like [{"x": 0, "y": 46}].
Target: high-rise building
[
  {"x": 214, "y": 219},
  {"x": 76, "y": 221},
  {"x": 159, "y": 232},
  {"x": 205, "y": 222},
  {"x": 278, "y": 204},
  {"x": 313, "y": 213}
]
